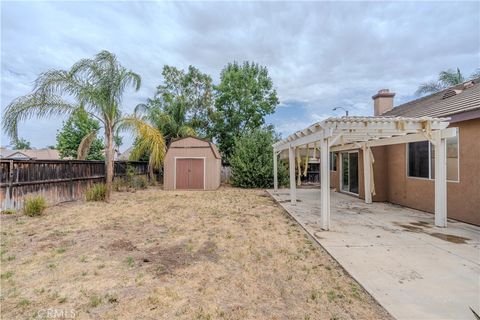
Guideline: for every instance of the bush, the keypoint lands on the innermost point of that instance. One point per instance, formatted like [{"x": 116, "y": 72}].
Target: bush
[
  {"x": 96, "y": 192},
  {"x": 119, "y": 184},
  {"x": 140, "y": 182},
  {"x": 34, "y": 206},
  {"x": 8, "y": 211},
  {"x": 252, "y": 161}
]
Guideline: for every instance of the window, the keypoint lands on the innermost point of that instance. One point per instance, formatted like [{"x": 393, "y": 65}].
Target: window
[
  {"x": 333, "y": 161},
  {"x": 421, "y": 159}
]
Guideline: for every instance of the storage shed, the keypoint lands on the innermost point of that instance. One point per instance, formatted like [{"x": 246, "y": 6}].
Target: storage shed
[{"x": 192, "y": 163}]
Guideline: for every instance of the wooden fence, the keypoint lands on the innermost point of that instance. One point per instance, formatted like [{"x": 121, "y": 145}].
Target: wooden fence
[{"x": 56, "y": 180}]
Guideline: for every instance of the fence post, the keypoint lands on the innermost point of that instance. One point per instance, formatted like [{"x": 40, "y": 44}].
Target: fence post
[{"x": 70, "y": 176}]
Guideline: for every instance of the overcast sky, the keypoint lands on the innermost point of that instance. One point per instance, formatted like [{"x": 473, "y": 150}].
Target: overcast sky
[{"x": 319, "y": 55}]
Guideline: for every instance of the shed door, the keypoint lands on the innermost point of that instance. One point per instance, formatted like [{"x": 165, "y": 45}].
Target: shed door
[{"x": 189, "y": 174}]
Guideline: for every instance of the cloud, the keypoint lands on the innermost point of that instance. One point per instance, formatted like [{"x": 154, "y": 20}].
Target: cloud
[{"x": 320, "y": 55}]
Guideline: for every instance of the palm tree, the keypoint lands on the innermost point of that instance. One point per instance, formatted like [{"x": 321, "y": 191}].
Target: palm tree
[
  {"x": 446, "y": 78},
  {"x": 171, "y": 120},
  {"x": 96, "y": 84},
  {"x": 149, "y": 140}
]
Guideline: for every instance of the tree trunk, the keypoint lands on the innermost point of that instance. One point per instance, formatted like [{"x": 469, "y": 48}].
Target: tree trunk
[{"x": 109, "y": 162}]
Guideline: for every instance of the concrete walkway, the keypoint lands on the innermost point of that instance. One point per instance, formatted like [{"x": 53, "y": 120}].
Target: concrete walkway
[{"x": 412, "y": 268}]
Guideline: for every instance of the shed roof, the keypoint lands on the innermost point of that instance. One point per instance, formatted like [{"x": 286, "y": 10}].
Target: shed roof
[
  {"x": 457, "y": 99},
  {"x": 212, "y": 146}
]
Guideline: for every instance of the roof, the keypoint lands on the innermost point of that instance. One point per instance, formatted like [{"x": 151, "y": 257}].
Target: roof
[
  {"x": 125, "y": 155},
  {"x": 353, "y": 129},
  {"x": 457, "y": 99},
  {"x": 212, "y": 146},
  {"x": 27, "y": 154}
]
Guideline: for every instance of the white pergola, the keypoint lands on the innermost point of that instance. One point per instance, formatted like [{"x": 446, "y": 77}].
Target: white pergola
[{"x": 347, "y": 133}]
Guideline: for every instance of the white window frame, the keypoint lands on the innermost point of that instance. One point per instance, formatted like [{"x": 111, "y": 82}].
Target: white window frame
[
  {"x": 430, "y": 162},
  {"x": 340, "y": 172},
  {"x": 331, "y": 161}
]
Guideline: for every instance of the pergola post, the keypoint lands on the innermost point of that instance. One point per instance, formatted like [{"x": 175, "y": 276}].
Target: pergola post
[
  {"x": 291, "y": 167},
  {"x": 440, "y": 179},
  {"x": 367, "y": 174},
  {"x": 325, "y": 183},
  {"x": 275, "y": 171}
]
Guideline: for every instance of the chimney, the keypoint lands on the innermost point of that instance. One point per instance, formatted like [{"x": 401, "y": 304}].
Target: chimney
[{"x": 383, "y": 101}]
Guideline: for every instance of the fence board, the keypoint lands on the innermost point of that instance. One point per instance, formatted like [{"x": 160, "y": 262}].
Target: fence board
[{"x": 56, "y": 180}]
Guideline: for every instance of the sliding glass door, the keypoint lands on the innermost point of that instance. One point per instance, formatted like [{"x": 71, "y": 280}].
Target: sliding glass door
[{"x": 349, "y": 178}]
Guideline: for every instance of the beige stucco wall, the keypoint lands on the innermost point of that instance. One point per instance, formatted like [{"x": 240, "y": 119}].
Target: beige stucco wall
[
  {"x": 194, "y": 148},
  {"x": 393, "y": 185}
]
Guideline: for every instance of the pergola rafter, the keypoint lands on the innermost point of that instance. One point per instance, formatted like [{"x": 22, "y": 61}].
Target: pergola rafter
[{"x": 347, "y": 133}]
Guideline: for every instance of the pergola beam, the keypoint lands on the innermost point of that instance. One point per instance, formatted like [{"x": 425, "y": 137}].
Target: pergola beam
[
  {"x": 347, "y": 133},
  {"x": 291, "y": 167},
  {"x": 440, "y": 180},
  {"x": 275, "y": 171},
  {"x": 325, "y": 183}
]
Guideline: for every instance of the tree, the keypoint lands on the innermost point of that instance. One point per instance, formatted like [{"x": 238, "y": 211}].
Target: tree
[
  {"x": 447, "y": 78},
  {"x": 171, "y": 121},
  {"x": 148, "y": 141},
  {"x": 243, "y": 98},
  {"x": 74, "y": 130},
  {"x": 20, "y": 143},
  {"x": 181, "y": 104},
  {"x": 96, "y": 85},
  {"x": 252, "y": 160}
]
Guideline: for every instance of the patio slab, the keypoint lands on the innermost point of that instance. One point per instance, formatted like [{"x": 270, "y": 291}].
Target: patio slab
[{"x": 412, "y": 268}]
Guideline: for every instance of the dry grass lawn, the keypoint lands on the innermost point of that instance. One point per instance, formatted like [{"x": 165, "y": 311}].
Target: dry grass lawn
[{"x": 154, "y": 254}]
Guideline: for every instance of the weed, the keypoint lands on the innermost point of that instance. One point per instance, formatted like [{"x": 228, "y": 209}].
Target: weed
[
  {"x": 24, "y": 303},
  {"x": 6, "y": 275},
  {"x": 10, "y": 258},
  {"x": 101, "y": 266},
  {"x": 96, "y": 193},
  {"x": 83, "y": 259},
  {"x": 51, "y": 265},
  {"x": 34, "y": 206},
  {"x": 62, "y": 300},
  {"x": 130, "y": 262},
  {"x": 9, "y": 211},
  {"x": 61, "y": 250},
  {"x": 95, "y": 301}
]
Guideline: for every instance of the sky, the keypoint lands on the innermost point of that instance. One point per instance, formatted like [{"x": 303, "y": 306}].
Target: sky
[{"x": 320, "y": 55}]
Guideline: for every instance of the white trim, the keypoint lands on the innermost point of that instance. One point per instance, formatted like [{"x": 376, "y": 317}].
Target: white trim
[
  {"x": 430, "y": 144},
  {"x": 175, "y": 170},
  {"x": 341, "y": 173}
]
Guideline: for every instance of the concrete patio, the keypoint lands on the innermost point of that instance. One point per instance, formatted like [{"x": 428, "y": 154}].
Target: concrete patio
[{"x": 412, "y": 268}]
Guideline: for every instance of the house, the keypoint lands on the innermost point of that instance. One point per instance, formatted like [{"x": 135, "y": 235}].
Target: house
[
  {"x": 404, "y": 174},
  {"x": 393, "y": 156},
  {"x": 29, "y": 154}
]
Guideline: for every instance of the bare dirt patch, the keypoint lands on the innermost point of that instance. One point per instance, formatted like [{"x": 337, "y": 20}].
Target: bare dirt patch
[{"x": 154, "y": 254}]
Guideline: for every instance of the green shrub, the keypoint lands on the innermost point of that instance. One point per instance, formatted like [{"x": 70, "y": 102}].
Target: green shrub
[
  {"x": 96, "y": 192},
  {"x": 34, "y": 206},
  {"x": 252, "y": 161},
  {"x": 9, "y": 211}
]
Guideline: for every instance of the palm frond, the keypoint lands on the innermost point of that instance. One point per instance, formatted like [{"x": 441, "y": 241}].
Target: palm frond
[
  {"x": 429, "y": 87},
  {"x": 185, "y": 131},
  {"x": 84, "y": 146},
  {"x": 33, "y": 105},
  {"x": 450, "y": 77},
  {"x": 149, "y": 140}
]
